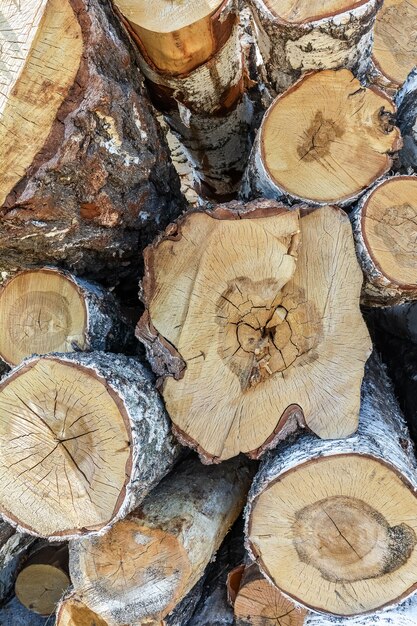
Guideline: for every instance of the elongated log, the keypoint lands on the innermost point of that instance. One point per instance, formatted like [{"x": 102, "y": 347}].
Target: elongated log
[
  {"x": 49, "y": 310},
  {"x": 333, "y": 525},
  {"x": 13, "y": 550},
  {"x": 85, "y": 175},
  {"x": 406, "y": 101},
  {"x": 44, "y": 578},
  {"x": 84, "y": 437},
  {"x": 385, "y": 231},
  {"x": 146, "y": 564},
  {"x": 257, "y": 339},
  {"x": 327, "y": 152},
  {"x": 193, "y": 62},
  {"x": 395, "y": 38},
  {"x": 296, "y": 37}
]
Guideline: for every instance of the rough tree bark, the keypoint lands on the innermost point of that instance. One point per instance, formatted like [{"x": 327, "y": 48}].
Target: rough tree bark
[
  {"x": 395, "y": 37},
  {"x": 406, "y": 101},
  {"x": 49, "y": 310},
  {"x": 333, "y": 524},
  {"x": 296, "y": 37},
  {"x": 328, "y": 152},
  {"x": 145, "y": 565},
  {"x": 193, "y": 62},
  {"x": 385, "y": 231},
  {"x": 86, "y": 177},
  {"x": 43, "y": 579},
  {"x": 13, "y": 549},
  {"x": 256, "y": 339},
  {"x": 84, "y": 437}
]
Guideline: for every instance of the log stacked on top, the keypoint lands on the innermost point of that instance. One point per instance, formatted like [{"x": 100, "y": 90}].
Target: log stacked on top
[{"x": 251, "y": 321}]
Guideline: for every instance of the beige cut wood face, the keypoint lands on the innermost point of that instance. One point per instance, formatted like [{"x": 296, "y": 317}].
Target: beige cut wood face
[
  {"x": 261, "y": 325},
  {"x": 389, "y": 227},
  {"x": 345, "y": 546},
  {"x": 40, "y": 587},
  {"x": 327, "y": 138},
  {"x": 299, "y": 11},
  {"x": 40, "y": 53},
  {"x": 65, "y": 448},
  {"x": 73, "y": 612},
  {"x": 395, "y": 40},
  {"x": 40, "y": 312}
]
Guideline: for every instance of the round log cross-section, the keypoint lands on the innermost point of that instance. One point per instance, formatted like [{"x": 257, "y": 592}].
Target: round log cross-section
[
  {"x": 385, "y": 230},
  {"x": 249, "y": 327},
  {"x": 72, "y": 429},
  {"x": 329, "y": 151},
  {"x": 334, "y": 526}
]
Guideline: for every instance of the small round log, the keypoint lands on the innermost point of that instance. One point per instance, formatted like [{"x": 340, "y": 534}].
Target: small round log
[
  {"x": 43, "y": 579},
  {"x": 84, "y": 437},
  {"x": 296, "y": 37},
  {"x": 385, "y": 232},
  {"x": 327, "y": 151},
  {"x": 72, "y": 611},
  {"x": 14, "y": 547},
  {"x": 48, "y": 310},
  {"x": 146, "y": 564},
  {"x": 192, "y": 58},
  {"x": 395, "y": 37},
  {"x": 333, "y": 524},
  {"x": 248, "y": 338},
  {"x": 406, "y": 101}
]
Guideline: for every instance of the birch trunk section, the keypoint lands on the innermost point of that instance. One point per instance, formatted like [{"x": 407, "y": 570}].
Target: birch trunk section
[
  {"x": 351, "y": 541},
  {"x": 406, "y": 101},
  {"x": 296, "y": 37}
]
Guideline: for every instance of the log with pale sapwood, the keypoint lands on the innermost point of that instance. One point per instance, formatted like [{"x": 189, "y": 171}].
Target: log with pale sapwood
[
  {"x": 406, "y": 101},
  {"x": 385, "y": 231},
  {"x": 333, "y": 524},
  {"x": 49, "y": 310},
  {"x": 43, "y": 579},
  {"x": 85, "y": 174},
  {"x": 72, "y": 611},
  {"x": 146, "y": 564},
  {"x": 328, "y": 152},
  {"x": 84, "y": 437},
  {"x": 395, "y": 43},
  {"x": 191, "y": 55},
  {"x": 257, "y": 338},
  {"x": 296, "y": 37},
  {"x": 13, "y": 549}
]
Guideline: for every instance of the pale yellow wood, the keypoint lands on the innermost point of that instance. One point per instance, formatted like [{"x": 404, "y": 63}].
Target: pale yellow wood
[
  {"x": 40, "y": 312},
  {"x": 65, "y": 446},
  {"x": 339, "y": 533},
  {"x": 258, "y": 328},
  {"x": 389, "y": 227},
  {"x": 73, "y": 612},
  {"x": 40, "y": 587},
  {"x": 325, "y": 138},
  {"x": 395, "y": 39},
  {"x": 41, "y": 47},
  {"x": 298, "y": 11}
]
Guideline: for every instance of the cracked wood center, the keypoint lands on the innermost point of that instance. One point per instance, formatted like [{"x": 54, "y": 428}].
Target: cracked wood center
[{"x": 248, "y": 313}]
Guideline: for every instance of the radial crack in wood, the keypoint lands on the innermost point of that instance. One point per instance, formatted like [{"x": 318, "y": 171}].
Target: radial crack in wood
[
  {"x": 325, "y": 140},
  {"x": 334, "y": 526},
  {"x": 395, "y": 41},
  {"x": 73, "y": 429},
  {"x": 385, "y": 231},
  {"x": 246, "y": 334}
]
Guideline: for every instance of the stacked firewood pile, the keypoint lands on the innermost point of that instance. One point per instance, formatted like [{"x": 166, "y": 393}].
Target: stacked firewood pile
[{"x": 246, "y": 461}]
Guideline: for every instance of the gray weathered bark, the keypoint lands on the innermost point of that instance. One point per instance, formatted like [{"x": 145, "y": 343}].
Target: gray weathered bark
[{"x": 406, "y": 101}]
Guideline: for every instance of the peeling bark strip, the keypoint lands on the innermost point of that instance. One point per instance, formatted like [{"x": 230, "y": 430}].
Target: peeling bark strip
[
  {"x": 43, "y": 579},
  {"x": 254, "y": 338},
  {"x": 331, "y": 151},
  {"x": 341, "y": 516},
  {"x": 49, "y": 310},
  {"x": 296, "y": 37},
  {"x": 395, "y": 42},
  {"x": 84, "y": 437},
  {"x": 146, "y": 564},
  {"x": 192, "y": 58},
  {"x": 406, "y": 101},
  {"x": 85, "y": 176},
  {"x": 385, "y": 231}
]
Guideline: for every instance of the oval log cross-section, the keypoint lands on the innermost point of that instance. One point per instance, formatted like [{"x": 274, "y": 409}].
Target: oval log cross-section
[{"x": 249, "y": 326}]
